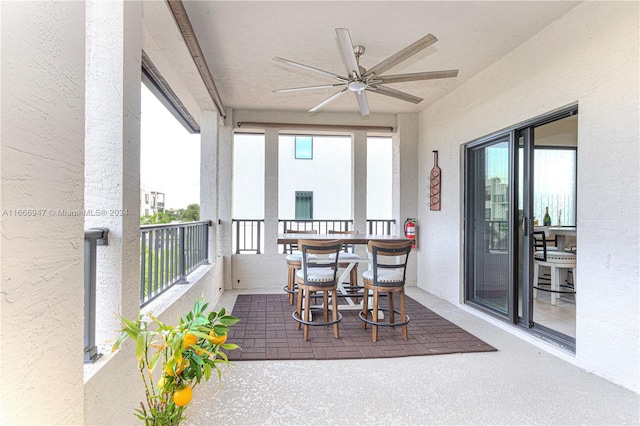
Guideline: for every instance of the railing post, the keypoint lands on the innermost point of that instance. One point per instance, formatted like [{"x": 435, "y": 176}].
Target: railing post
[
  {"x": 237, "y": 224},
  {"x": 258, "y": 238},
  {"x": 92, "y": 239},
  {"x": 205, "y": 241},
  {"x": 183, "y": 256}
]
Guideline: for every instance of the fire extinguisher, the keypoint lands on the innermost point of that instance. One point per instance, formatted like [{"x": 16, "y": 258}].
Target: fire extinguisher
[{"x": 410, "y": 230}]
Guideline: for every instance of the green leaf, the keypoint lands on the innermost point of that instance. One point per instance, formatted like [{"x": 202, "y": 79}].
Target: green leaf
[
  {"x": 119, "y": 341},
  {"x": 154, "y": 361},
  {"x": 133, "y": 326},
  {"x": 207, "y": 371},
  {"x": 229, "y": 320},
  {"x": 198, "y": 360},
  {"x": 230, "y": 346},
  {"x": 201, "y": 335},
  {"x": 141, "y": 346}
]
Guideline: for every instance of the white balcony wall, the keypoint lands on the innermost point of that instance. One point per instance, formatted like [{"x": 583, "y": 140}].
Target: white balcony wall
[
  {"x": 42, "y": 172},
  {"x": 590, "y": 55}
]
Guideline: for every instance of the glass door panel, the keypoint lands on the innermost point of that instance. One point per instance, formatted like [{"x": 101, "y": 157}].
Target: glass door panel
[{"x": 487, "y": 230}]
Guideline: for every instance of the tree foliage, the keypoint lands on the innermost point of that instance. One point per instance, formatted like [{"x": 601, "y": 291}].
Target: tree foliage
[{"x": 190, "y": 214}]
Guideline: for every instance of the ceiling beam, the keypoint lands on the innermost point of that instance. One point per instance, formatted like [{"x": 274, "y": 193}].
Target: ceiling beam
[
  {"x": 180, "y": 15},
  {"x": 306, "y": 126}
]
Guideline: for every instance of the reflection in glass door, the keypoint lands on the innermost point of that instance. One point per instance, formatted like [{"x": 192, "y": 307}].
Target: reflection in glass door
[{"x": 487, "y": 231}]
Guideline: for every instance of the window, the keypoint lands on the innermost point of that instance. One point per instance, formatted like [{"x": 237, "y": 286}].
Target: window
[
  {"x": 555, "y": 184},
  {"x": 304, "y": 205},
  {"x": 146, "y": 198},
  {"x": 304, "y": 147}
]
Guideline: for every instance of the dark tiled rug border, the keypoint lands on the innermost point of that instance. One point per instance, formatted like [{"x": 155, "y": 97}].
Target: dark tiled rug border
[{"x": 266, "y": 331}]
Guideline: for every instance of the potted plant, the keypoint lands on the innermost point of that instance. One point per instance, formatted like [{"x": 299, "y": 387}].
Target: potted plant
[{"x": 186, "y": 354}]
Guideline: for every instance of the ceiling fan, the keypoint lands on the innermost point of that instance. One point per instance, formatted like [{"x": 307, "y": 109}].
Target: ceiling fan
[{"x": 359, "y": 80}]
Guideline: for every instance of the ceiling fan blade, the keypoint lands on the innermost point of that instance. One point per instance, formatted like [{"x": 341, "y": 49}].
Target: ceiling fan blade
[
  {"x": 432, "y": 75},
  {"x": 326, "y": 101},
  {"x": 363, "y": 103},
  {"x": 297, "y": 89},
  {"x": 312, "y": 69},
  {"x": 346, "y": 50},
  {"x": 395, "y": 94},
  {"x": 403, "y": 54}
]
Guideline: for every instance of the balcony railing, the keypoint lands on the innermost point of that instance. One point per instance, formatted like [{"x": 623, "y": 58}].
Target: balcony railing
[
  {"x": 381, "y": 226},
  {"x": 168, "y": 253},
  {"x": 248, "y": 234},
  {"x": 92, "y": 239},
  {"x": 498, "y": 235}
]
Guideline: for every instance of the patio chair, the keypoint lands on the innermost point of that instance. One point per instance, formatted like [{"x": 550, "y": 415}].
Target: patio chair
[
  {"x": 294, "y": 262},
  {"x": 387, "y": 275},
  {"x": 318, "y": 275}
]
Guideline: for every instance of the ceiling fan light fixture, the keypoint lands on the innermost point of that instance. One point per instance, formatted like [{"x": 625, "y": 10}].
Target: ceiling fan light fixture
[{"x": 357, "y": 86}]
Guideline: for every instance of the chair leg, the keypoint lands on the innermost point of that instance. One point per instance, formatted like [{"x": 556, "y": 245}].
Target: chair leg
[
  {"x": 374, "y": 328},
  {"x": 325, "y": 306},
  {"x": 353, "y": 281},
  {"x": 307, "y": 313},
  {"x": 365, "y": 307},
  {"x": 291, "y": 282},
  {"x": 299, "y": 306},
  {"x": 392, "y": 317},
  {"x": 555, "y": 284},
  {"x": 334, "y": 302},
  {"x": 403, "y": 316}
]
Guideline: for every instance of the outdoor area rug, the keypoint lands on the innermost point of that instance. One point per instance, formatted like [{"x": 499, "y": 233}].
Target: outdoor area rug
[{"x": 267, "y": 331}]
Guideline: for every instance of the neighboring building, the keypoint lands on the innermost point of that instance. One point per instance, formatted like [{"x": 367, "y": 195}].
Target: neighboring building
[{"x": 151, "y": 202}]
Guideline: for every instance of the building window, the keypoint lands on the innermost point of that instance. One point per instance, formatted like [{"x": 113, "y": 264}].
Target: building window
[
  {"x": 304, "y": 205},
  {"x": 304, "y": 147},
  {"x": 146, "y": 198}
]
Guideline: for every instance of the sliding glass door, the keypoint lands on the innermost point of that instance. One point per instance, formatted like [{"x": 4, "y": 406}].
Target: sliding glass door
[
  {"x": 488, "y": 231},
  {"x": 511, "y": 180}
]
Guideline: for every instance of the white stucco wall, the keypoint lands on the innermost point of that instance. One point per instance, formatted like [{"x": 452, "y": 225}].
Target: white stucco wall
[
  {"x": 42, "y": 167},
  {"x": 327, "y": 175},
  {"x": 590, "y": 56}
]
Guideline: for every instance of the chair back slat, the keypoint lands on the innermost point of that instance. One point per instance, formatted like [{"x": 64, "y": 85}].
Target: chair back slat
[
  {"x": 380, "y": 251},
  {"x": 322, "y": 248},
  {"x": 540, "y": 243}
]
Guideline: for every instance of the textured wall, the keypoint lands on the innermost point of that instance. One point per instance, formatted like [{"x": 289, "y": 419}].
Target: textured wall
[
  {"x": 42, "y": 168},
  {"x": 590, "y": 56}
]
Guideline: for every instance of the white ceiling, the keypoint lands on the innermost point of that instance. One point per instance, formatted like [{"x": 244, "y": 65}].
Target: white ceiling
[{"x": 240, "y": 38}]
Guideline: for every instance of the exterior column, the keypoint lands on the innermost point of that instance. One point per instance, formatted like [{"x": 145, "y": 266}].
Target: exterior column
[
  {"x": 225, "y": 193},
  {"x": 405, "y": 180},
  {"x": 41, "y": 248},
  {"x": 113, "y": 157},
  {"x": 271, "y": 190},
  {"x": 359, "y": 187},
  {"x": 209, "y": 176}
]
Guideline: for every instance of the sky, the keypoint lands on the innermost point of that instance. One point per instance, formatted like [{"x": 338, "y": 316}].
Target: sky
[{"x": 170, "y": 155}]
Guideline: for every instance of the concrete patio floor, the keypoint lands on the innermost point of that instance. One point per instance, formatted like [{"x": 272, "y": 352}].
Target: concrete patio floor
[{"x": 519, "y": 384}]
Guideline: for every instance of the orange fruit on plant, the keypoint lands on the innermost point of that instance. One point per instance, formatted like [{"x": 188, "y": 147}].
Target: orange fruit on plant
[
  {"x": 189, "y": 340},
  {"x": 217, "y": 340},
  {"x": 183, "y": 396}
]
